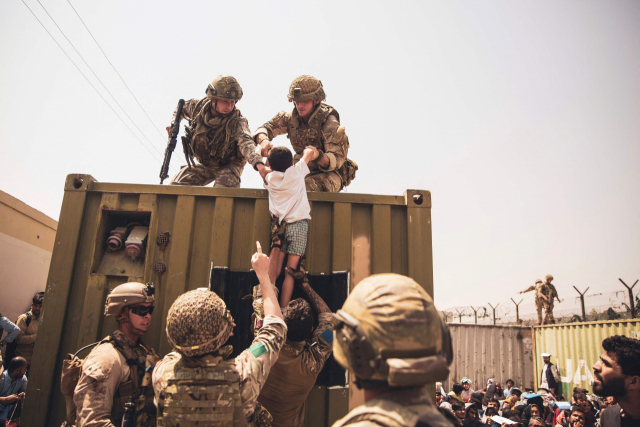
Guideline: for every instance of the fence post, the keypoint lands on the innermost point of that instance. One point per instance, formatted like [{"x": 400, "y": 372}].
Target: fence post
[
  {"x": 517, "y": 310},
  {"x": 631, "y": 301},
  {"x": 475, "y": 313},
  {"x": 584, "y": 315},
  {"x": 494, "y": 312}
]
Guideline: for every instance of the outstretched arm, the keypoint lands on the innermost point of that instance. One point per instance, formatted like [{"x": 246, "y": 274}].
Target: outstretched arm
[
  {"x": 317, "y": 302},
  {"x": 529, "y": 289},
  {"x": 260, "y": 263}
]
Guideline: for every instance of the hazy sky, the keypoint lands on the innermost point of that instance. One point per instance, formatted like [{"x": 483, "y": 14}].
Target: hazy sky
[{"x": 522, "y": 118}]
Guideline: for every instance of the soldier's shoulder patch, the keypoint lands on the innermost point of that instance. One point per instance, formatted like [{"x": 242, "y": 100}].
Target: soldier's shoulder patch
[
  {"x": 258, "y": 349},
  {"x": 327, "y": 335}
]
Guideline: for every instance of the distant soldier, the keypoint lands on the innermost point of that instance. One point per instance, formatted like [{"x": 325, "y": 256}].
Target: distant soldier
[
  {"x": 196, "y": 384},
  {"x": 114, "y": 370},
  {"x": 217, "y": 137},
  {"x": 551, "y": 294},
  {"x": 538, "y": 287},
  {"x": 312, "y": 123},
  {"x": 393, "y": 341}
]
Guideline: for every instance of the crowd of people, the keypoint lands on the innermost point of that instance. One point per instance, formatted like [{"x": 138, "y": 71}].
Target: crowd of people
[{"x": 614, "y": 402}]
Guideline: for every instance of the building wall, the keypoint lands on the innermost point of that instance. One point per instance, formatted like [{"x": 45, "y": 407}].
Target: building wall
[
  {"x": 26, "y": 242},
  {"x": 486, "y": 351}
]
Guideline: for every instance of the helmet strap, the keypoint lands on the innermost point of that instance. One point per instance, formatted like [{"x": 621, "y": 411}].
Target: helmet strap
[{"x": 127, "y": 321}]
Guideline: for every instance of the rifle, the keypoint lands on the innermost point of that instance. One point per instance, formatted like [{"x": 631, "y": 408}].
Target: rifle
[{"x": 171, "y": 145}]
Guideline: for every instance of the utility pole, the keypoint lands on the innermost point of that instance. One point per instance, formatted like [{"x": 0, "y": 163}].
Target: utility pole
[
  {"x": 517, "y": 310},
  {"x": 475, "y": 313},
  {"x": 494, "y": 312},
  {"x": 584, "y": 315},
  {"x": 631, "y": 302}
]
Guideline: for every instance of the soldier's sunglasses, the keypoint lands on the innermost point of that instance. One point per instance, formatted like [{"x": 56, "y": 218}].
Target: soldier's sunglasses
[{"x": 142, "y": 310}]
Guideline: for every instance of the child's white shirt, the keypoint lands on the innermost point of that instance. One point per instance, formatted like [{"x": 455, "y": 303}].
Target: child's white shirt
[{"x": 288, "y": 193}]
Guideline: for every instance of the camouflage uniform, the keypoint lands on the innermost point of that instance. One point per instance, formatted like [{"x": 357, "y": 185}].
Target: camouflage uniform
[
  {"x": 221, "y": 145},
  {"x": 107, "y": 381},
  {"x": 321, "y": 130},
  {"x": 551, "y": 293},
  {"x": 539, "y": 301},
  {"x": 196, "y": 383},
  {"x": 293, "y": 377},
  {"x": 390, "y": 336}
]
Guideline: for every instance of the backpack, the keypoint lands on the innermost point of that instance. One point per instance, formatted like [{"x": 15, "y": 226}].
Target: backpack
[
  {"x": 71, "y": 370},
  {"x": 10, "y": 352}
]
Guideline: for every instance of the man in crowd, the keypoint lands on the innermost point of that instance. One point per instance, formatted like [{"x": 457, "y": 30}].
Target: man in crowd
[
  {"x": 494, "y": 403},
  {"x": 577, "y": 417},
  {"x": 114, "y": 370},
  {"x": 13, "y": 385},
  {"x": 393, "y": 341},
  {"x": 466, "y": 384},
  {"x": 515, "y": 397},
  {"x": 300, "y": 361},
  {"x": 458, "y": 410},
  {"x": 456, "y": 392},
  {"x": 28, "y": 324},
  {"x": 617, "y": 374},
  {"x": 312, "y": 123},
  {"x": 10, "y": 328},
  {"x": 217, "y": 142},
  {"x": 507, "y": 390},
  {"x": 549, "y": 376},
  {"x": 188, "y": 381}
]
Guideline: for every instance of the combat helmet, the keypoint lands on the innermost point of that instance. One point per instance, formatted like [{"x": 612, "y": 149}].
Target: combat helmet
[
  {"x": 538, "y": 281},
  {"x": 548, "y": 277},
  {"x": 306, "y": 88},
  {"x": 389, "y": 332},
  {"x": 127, "y": 294},
  {"x": 198, "y": 322},
  {"x": 225, "y": 88}
]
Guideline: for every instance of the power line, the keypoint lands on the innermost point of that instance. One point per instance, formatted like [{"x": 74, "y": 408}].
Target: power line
[
  {"x": 98, "y": 78},
  {"x": 163, "y": 136},
  {"x": 91, "y": 84}
]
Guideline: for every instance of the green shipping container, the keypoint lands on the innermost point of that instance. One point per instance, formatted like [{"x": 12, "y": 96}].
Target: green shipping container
[
  {"x": 203, "y": 236},
  {"x": 575, "y": 348}
]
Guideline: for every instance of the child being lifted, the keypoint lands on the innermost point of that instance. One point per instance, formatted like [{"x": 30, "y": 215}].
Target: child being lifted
[{"x": 289, "y": 204}]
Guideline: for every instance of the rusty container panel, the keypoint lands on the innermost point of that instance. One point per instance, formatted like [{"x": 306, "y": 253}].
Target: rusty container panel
[
  {"x": 486, "y": 351},
  {"x": 575, "y": 348},
  {"x": 211, "y": 235}
]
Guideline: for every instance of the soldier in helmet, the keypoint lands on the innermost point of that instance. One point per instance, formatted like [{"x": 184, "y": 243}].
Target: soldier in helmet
[
  {"x": 196, "y": 382},
  {"x": 551, "y": 294},
  {"x": 316, "y": 124},
  {"x": 540, "y": 297},
  {"x": 113, "y": 371},
  {"x": 392, "y": 339},
  {"x": 217, "y": 137}
]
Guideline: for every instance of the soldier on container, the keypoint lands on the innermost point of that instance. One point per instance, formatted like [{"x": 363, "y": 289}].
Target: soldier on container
[
  {"x": 113, "y": 371},
  {"x": 312, "y": 123},
  {"x": 539, "y": 297},
  {"x": 196, "y": 383},
  {"x": 550, "y": 294},
  {"x": 217, "y": 137},
  {"x": 393, "y": 341}
]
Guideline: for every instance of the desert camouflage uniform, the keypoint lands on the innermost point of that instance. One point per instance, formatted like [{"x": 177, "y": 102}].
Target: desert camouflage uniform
[
  {"x": 539, "y": 301},
  {"x": 551, "y": 293},
  {"x": 322, "y": 131},
  {"x": 107, "y": 381},
  {"x": 251, "y": 367},
  {"x": 293, "y": 377},
  {"x": 215, "y": 161},
  {"x": 397, "y": 408}
]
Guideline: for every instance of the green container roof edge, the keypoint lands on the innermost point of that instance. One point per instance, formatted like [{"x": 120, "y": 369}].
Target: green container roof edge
[{"x": 363, "y": 234}]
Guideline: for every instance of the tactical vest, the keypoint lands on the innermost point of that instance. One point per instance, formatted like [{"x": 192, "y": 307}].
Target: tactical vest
[
  {"x": 201, "y": 390},
  {"x": 302, "y": 134},
  {"x": 204, "y": 147},
  {"x": 387, "y": 413},
  {"x": 145, "y": 409}
]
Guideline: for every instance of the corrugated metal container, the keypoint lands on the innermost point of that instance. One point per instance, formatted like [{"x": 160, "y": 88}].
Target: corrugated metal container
[
  {"x": 211, "y": 230},
  {"x": 487, "y": 351},
  {"x": 576, "y": 347}
]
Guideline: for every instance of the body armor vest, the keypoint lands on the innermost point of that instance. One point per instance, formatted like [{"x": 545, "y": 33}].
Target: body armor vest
[
  {"x": 391, "y": 414},
  {"x": 202, "y": 391},
  {"x": 205, "y": 147},
  {"x": 302, "y": 134},
  {"x": 145, "y": 409}
]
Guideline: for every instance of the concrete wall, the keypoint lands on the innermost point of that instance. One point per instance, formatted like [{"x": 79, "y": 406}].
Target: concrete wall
[{"x": 26, "y": 241}]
